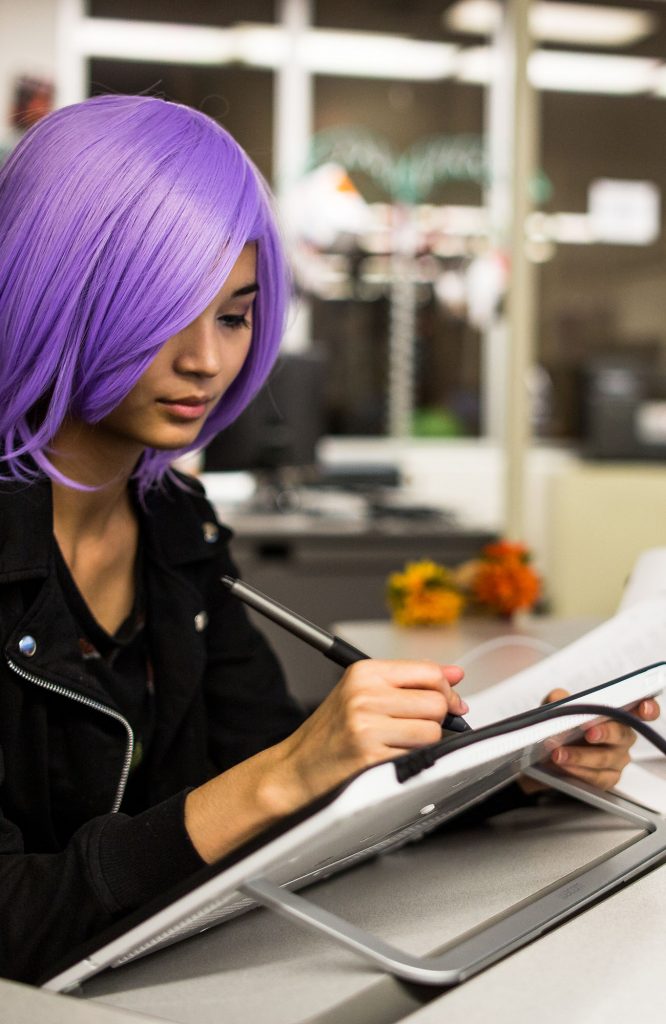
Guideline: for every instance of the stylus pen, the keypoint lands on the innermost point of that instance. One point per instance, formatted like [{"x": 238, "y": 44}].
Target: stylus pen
[{"x": 331, "y": 646}]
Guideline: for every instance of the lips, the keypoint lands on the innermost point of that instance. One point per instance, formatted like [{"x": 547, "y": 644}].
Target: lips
[{"x": 190, "y": 407}]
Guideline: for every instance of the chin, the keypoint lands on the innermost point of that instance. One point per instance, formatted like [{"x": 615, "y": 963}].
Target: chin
[
  {"x": 187, "y": 439},
  {"x": 169, "y": 436},
  {"x": 176, "y": 446}
]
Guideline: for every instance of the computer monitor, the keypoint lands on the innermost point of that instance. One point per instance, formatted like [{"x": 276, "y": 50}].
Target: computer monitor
[
  {"x": 281, "y": 426},
  {"x": 625, "y": 407}
]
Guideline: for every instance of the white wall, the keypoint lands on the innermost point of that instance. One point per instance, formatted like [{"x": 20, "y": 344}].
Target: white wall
[{"x": 466, "y": 477}]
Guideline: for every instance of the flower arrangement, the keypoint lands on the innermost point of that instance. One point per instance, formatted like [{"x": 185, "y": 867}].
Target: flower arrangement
[{"x": 501, "y": 581}]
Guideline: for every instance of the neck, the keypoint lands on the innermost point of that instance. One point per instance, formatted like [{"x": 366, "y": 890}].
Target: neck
[
  {"x": 106, "y": 468},
  {"x": 78, "y": 514}
]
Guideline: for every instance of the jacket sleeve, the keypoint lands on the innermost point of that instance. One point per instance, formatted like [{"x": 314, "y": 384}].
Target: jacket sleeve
[{"x": 51, "y": 903}]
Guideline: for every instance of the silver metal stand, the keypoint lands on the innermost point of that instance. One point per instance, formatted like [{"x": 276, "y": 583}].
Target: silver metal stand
[{"x": 519, "y": 926}]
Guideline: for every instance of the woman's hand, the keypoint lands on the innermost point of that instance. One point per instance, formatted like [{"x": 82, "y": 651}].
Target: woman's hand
[
  {"x": 603, "y": 752},
  {"x": 378, "y": 710}
]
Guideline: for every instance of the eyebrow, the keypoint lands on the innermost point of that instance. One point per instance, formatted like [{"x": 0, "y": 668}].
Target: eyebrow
[{"x": 247, "y": 289}]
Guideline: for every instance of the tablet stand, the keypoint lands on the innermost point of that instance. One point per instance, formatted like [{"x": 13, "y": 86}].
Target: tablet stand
[{"x": 488, "y": 944}]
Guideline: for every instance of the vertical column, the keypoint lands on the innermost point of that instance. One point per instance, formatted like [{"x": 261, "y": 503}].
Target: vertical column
[
  {"x": 71, "y": 70},
  {"x": 402, "y": 325},
  {"x": 292, "y": 131},
  {"x": 521, "y": 299},
  {"x": 512, "y": 135}
]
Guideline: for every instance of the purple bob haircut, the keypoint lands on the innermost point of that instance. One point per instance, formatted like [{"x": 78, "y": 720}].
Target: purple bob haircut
[{"x": 120, "y": 219}]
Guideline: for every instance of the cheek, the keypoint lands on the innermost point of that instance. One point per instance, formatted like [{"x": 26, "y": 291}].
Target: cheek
[
  {"x": 136, "y": 401},
  {"x": 238, "y": 359}
]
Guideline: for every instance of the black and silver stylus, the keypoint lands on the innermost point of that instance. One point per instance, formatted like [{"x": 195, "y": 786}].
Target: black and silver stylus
[{"x": 331, "y": 646}]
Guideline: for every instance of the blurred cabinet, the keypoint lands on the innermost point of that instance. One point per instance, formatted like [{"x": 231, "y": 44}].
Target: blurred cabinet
[{"x": 603, "y": 517}]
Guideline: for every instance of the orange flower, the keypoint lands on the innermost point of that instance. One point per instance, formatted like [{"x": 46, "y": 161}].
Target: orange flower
[
  {"x": 504, "y": 580},
  {"x": 506, "y": 549}
]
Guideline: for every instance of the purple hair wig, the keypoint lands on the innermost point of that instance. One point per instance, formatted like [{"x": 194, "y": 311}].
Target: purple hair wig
[{"x": 120, "y": 219}]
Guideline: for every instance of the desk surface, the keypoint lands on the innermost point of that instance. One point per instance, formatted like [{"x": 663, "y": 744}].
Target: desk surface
[
  {"x": 304, "y": 526},
  {"x": 469, "y": 642},
  {"x": 602, "y": 966},
  {"x": 598, "y": 967}
]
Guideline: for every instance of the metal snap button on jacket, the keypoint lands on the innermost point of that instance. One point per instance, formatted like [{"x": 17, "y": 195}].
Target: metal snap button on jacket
[
  {"x": 27, "y": 645},
  {"x": 210, "y": 532},
  {"x": 200, "y": 621}
]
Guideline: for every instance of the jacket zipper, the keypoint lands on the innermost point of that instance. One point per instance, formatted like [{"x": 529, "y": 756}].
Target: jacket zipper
[{"x": 55, "y": 688}]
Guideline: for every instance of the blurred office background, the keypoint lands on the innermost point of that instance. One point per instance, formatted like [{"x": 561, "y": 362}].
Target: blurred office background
[{"x": 472, "y": 194}]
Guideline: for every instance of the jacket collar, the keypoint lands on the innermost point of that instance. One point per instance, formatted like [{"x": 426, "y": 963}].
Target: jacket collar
[{"x": 177, "y": 524}]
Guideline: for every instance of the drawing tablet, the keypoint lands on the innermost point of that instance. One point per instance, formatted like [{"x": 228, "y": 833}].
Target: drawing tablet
[{"x": 379, "y": 810}]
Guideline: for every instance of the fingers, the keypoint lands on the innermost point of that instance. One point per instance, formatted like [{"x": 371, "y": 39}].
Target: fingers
[
  {"x": 397, "y": 702},
  {"x": 383, "y": 676},
  {"x": 385, "y": 707},
  {"x": 604, "y": 779},
  {"x": 612, "y": 733},
  {"x": 410, "y": 673},
  {"x": 592, "y": 758},
  {"x": 601, "y": 758},
  {"x": 557, "y": 694},
  {"x": 408, "y": 734},
  {"x": 648, "y": 710},
  {"x": 604, "y": 751},
  {"x": 453, "y": 673}
]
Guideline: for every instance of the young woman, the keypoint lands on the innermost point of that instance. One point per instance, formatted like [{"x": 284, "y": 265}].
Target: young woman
[{"x": 145, "y": 727}]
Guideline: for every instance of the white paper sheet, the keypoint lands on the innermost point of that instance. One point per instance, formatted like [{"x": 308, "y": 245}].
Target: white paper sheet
[
  {"x": 633, "y": 638},
  {"x": 647, "y": 580}
]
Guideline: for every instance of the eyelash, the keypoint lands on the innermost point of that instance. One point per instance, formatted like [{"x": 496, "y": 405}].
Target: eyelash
[{"x": 234, "y": 322}]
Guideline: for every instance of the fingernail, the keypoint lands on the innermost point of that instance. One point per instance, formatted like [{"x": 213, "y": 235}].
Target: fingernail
[
  {"x": 593, "y": 734},
  {"x": 464, "y": 706},
  {"x": 560, "y": 755}
]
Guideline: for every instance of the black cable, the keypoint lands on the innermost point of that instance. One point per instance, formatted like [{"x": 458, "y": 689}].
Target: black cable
[{"x": 408, "y": 765}]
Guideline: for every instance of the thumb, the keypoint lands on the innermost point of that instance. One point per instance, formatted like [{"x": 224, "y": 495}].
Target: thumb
[{"x": 557, "y": 694}]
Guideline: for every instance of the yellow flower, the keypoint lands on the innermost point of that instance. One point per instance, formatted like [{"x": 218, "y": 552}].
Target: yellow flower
[
  {"x": 431, "y": 608},
  {"x": 425, "y": 593}
]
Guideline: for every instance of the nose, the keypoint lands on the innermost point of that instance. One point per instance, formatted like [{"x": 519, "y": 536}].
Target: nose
[{"x": 199, "y": 353}]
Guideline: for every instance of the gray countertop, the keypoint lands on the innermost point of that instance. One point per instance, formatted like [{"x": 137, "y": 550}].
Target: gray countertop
[{"x": 263, "y": 968}]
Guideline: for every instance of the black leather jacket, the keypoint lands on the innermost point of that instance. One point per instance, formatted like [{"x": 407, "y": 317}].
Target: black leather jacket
[{"x": 70, "y": 861}]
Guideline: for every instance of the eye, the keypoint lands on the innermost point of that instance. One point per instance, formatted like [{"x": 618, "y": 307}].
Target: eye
[{"x": 234, "y": 321}]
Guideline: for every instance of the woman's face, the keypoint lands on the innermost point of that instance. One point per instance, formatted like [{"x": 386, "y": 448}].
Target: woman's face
[{"x": 171, "y": 401}]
